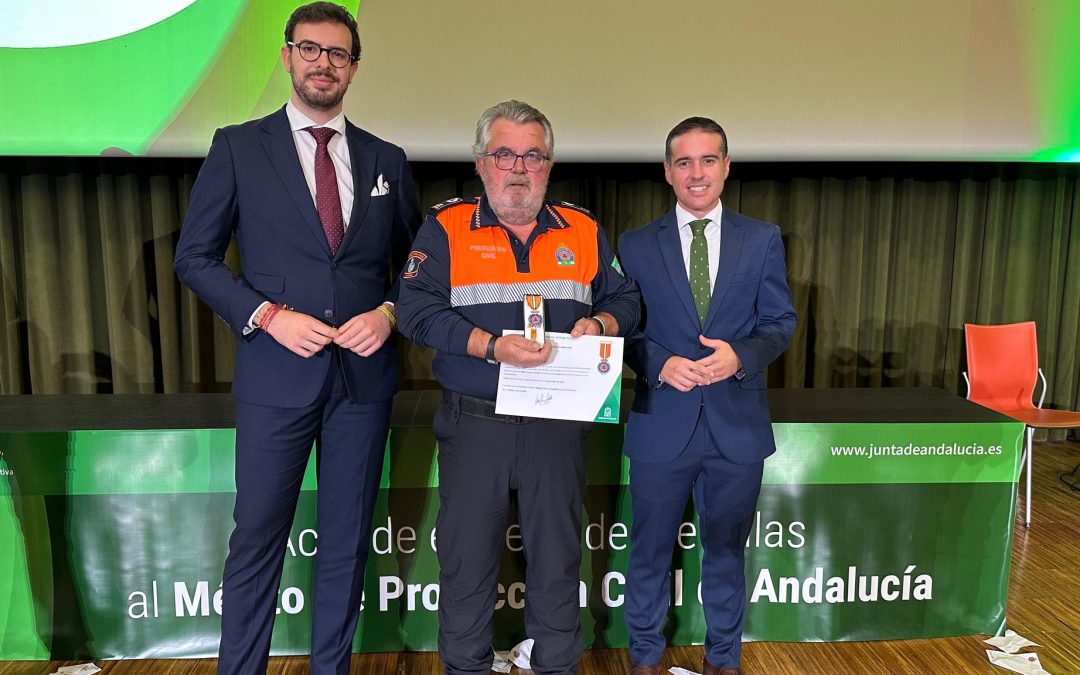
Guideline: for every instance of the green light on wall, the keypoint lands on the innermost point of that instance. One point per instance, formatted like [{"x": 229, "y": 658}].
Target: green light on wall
[
  {"x": 1054, "y": 44},
  {"x": 1063, "y": 155}
]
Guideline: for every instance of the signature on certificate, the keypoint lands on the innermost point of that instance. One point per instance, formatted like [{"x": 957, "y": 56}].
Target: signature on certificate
[{"x": 543, "y": 399}]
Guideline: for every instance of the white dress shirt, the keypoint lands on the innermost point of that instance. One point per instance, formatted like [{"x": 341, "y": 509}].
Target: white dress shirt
[
  {"x": 712, "y": 237},
  {"x": 338, "y": 147}
]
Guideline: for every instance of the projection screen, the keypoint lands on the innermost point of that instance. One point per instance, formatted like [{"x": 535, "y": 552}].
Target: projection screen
[{"x": 789, "y": 79}]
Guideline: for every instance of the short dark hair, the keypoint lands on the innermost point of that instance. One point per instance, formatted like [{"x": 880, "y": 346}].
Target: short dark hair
[
  {"x": 695, "y": 124},
  {"x": 324, "y": 12}
]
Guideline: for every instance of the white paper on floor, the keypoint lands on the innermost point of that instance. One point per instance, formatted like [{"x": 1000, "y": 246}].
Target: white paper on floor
[
  {"x": 675, "y": 670},
  {"x": 81, "y": 669},
  {"x": 1010, "y": 643},
  {"x": 519, "y": 656},
  {"x": 501, "y": 664},
  {"x": 1026, "y": 664}
]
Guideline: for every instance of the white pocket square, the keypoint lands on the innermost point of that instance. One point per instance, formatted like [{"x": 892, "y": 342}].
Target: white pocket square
[{"x": 381, "y": 187}]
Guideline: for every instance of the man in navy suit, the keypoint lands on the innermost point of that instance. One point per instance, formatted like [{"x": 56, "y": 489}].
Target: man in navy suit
[
  {"x": 323, "y": 214},
  {"x": 717, "y": 310}
]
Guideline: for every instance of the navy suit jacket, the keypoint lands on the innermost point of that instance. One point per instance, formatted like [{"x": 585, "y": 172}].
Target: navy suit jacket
[
  {"x": 750, "y": 309},
  {"x": 252, "y": 186}
]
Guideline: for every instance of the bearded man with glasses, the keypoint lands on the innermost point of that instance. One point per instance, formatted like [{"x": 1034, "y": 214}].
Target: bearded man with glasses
[
  {"x": 472, "y": 262},
  {"x": 323, "y": 214}
]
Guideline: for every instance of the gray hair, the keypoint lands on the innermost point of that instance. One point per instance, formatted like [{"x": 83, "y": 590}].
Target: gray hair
[{"x": 517, "y": 112}]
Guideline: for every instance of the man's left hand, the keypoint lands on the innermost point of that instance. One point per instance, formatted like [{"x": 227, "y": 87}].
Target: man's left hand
[
  {"x": 364, "y": 333},
  {"x": 588, "y": 325},
  {"x": 585, "y": 326},
  {"x": 723, "y": 362}
]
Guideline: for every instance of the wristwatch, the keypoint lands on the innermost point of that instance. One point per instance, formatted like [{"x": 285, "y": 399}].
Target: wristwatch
[{"x": 489, "y": 355}]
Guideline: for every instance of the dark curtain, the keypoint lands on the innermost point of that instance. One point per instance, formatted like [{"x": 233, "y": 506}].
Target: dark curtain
[{"x": 886, "y": 262}]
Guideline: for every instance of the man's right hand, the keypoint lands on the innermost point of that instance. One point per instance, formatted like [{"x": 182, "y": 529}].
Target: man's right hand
[
  {"x": 299, "y": 333},
  {"x": 519, "y": 351},
  {"x": 684, "y": 374}
]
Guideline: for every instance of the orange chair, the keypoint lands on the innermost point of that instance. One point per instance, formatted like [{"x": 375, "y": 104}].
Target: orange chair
[{"x": 1003, "y": 364}]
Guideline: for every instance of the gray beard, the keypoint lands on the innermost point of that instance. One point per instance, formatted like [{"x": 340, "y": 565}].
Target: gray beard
[
  {"x": 515, "y": 215},
  {"x": 522, "y": 212}
]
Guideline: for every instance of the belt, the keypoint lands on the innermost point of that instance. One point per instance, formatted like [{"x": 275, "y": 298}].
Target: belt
[{"x": 478, "y": 407}]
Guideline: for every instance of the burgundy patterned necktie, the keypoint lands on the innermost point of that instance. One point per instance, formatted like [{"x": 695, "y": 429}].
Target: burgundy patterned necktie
[{"x": 327, "y": 200}]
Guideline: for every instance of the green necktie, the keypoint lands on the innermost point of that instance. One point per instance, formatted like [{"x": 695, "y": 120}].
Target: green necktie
[{"x": 699, "y": 268}]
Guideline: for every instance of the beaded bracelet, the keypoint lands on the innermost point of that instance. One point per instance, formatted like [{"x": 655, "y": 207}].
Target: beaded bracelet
[{"x": 269, "y": 314}]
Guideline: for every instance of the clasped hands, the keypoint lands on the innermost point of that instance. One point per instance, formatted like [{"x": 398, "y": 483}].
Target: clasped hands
[
  {"x": 306, "y": 336},
  {"x": 684, "y": 374}
]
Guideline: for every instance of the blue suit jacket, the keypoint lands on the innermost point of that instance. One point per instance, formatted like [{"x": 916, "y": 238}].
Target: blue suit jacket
[
  {"x": 252, "y": 185},
  {"x": 750, "y": 309}
]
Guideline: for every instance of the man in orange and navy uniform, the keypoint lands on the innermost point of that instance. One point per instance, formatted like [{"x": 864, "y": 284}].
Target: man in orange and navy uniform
[{"x": 471, "y": 265}]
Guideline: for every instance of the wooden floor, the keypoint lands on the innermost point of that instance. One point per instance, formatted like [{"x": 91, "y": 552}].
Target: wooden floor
[{"x": 1044, "y": 606}]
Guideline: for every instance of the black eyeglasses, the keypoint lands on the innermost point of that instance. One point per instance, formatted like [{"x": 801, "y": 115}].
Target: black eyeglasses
[
  {"x": 310, "y": 51},
  {"x": 506, "y": 160}
]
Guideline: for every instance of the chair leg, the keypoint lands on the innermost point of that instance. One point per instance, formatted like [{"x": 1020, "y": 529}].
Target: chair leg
[
  {"x": 1027, "y": 503},
  {"x": 1072, "y": 478}
]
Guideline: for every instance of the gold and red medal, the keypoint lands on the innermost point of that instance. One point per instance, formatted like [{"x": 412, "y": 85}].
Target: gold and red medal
[
  {"x": 533, "y": 305},
  {"x": 605, "y": 354}
]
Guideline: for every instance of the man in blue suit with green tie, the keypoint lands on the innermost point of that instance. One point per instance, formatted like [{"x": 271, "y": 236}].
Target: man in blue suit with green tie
[{"x": 717, "y": 311}]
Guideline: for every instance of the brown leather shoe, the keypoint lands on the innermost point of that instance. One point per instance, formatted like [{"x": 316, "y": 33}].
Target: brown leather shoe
[
  {"x": 645, "y": 670},
  {"x": 709, "y": 669}
]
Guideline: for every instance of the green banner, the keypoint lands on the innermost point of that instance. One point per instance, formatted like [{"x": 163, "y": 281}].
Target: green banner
[
  {"x": 895, "y": 453},
  {"x": 112, "y": 542}
]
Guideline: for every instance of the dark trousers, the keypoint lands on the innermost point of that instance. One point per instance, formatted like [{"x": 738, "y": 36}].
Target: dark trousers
[
  {"x": 725, "y": 496},
  {"x": 272, "y": 450},
  {"x": 481, "y": 462}
]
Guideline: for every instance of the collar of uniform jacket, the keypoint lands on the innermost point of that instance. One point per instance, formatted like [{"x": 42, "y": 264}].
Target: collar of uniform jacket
[{"x": 547, "y": 219}]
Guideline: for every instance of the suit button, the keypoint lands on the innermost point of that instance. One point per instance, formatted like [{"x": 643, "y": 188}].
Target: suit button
[{"x": 328, "y": 313}]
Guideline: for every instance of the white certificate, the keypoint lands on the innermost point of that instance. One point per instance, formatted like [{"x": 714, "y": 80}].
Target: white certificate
[{"x": 583, "y": 381}]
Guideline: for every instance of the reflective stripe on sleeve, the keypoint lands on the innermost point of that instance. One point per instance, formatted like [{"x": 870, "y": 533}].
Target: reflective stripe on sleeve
[{"x": 485, "y": 294}]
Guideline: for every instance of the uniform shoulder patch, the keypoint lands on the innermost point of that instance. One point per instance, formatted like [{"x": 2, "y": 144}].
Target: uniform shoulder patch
[
  {"x": 412, "y": 265},
  {"x": 454, "y": 201},
  {"x": 573, "y": 207},
  {"x": 616, "y": 266}
]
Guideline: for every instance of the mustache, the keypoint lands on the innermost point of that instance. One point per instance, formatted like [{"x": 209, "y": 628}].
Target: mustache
[
  {"x": 322, "y": 73},
  {"x": 516, "y": 179}
]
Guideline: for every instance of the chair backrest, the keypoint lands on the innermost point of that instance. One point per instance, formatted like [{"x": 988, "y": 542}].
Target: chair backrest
[{"x": 1002, "y": 364}]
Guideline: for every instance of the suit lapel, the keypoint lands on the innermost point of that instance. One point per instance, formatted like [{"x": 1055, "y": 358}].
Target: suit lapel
[
  {"x": 279, "y": 145},
  {"x": 731, "y": 243},
  {"x": 671, "y": 252},
  {"x": 363, "y": 170}
]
